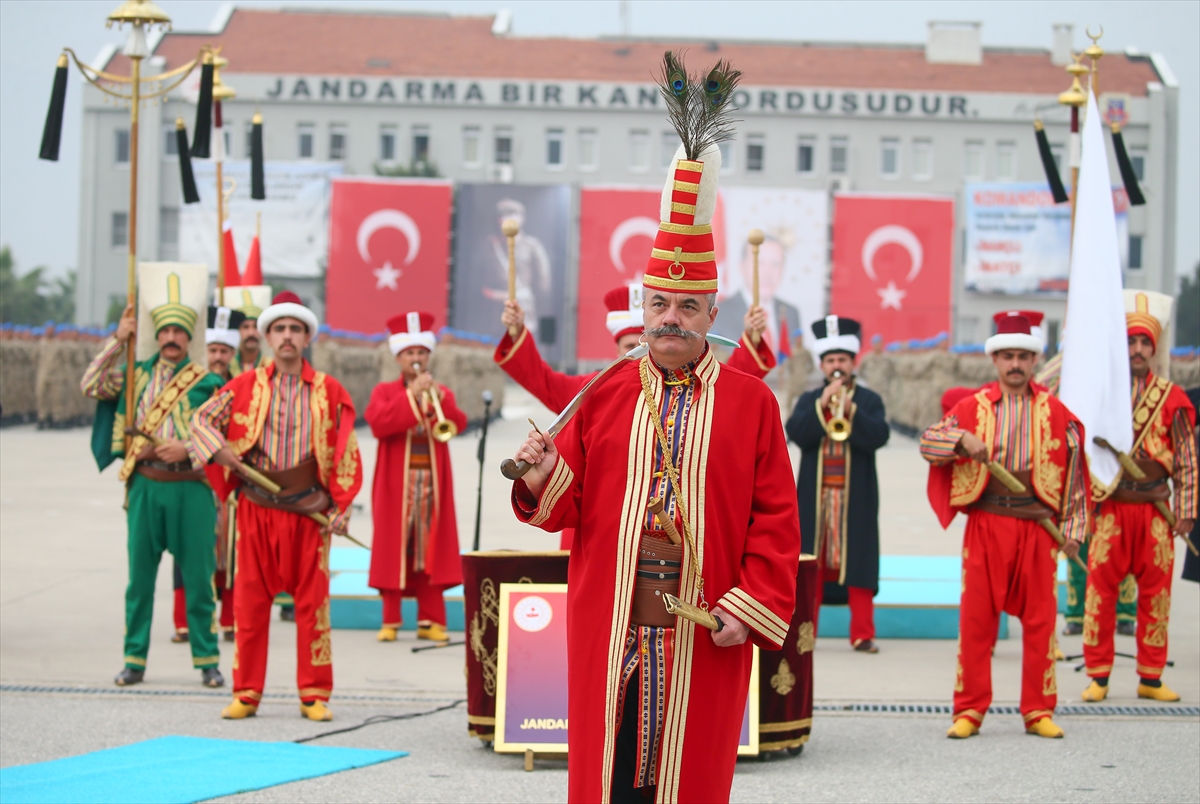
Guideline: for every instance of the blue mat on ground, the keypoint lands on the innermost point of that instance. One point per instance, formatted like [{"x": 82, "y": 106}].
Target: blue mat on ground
[{"x": 177, "y": 769}]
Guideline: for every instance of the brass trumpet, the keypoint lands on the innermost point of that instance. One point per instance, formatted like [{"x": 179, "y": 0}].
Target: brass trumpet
[
  {"x": 838, "y": 427},
  {"x": 443, "y": 429}
]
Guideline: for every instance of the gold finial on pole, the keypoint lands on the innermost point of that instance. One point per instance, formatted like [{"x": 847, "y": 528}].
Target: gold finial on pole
[
  {"x": 511, "y": 228},
  {"x": 1095, "y": 52},
  {"x": 1075, "y": 98}
]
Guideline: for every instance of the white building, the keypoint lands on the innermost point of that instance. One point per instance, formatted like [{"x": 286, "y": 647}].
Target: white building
[{"x": 461, "y": 93}]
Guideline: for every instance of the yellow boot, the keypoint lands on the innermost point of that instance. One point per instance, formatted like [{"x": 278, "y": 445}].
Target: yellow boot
[
  {"x": 386, "y": 634},
  {"x": 962, "y": 729},
  {"x": 1044, "y": 728},
  {"x": 239, "y": 710},
  {"x": 317, "y": 710},
  {"x": 433, "y": 632},
  {"x": 1095, "y": 693},
  {"x": 1161, "y": 693}
]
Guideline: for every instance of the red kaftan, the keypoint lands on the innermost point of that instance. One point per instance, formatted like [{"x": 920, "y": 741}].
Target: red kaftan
[
  {"x": 393, "y": 417},
  {"x": 740, "y": 498}
]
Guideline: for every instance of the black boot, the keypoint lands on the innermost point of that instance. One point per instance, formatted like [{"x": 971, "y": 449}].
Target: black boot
[
  {"x": 129, "y": 676},
  {"x": 211, "y": 677},
  {"x": 1127, "y": 628},
  {"x": 1072, "y": 629}
]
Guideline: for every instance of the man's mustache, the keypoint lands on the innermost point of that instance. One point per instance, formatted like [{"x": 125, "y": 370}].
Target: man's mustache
[
  {"x": 1016, "y": 373},
  {"x": 673, "y": 329}
]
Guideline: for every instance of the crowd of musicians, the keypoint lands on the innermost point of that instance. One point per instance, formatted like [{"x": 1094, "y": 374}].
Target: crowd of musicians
[{"x": 671, "y": 485}]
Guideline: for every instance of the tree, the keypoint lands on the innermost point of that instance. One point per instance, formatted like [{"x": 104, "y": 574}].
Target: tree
[
  {"x": 1187, "y": 310},
  {"x": 33, "y": 299}
]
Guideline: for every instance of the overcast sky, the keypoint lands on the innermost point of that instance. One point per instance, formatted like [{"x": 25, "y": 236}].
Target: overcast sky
[{"x": 39, "y": 201}]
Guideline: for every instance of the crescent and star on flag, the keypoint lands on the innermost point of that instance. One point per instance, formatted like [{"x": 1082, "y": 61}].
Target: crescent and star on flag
[
  {"x": 891, "y": 295},
  {"x": 387, "y": 276}
]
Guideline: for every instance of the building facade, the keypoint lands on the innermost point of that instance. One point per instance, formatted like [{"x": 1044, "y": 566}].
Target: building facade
[{"x": 481, "y": 105}]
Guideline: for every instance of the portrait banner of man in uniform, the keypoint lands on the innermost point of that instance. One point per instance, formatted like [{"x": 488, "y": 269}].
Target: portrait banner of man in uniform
[{"x": 480, "y": 272}]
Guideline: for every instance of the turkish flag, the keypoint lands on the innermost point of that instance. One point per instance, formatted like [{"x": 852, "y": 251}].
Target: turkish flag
[
  {"x": 892, "y": 259},
  {"x": 616, "y": 233},
  {"x": 389, "y": 249}
]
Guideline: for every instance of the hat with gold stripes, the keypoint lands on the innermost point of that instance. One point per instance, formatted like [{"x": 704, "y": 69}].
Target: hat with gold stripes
[
  {"x": 683, "y": 259},
  {"x": 1147, "y": 313},
  {"x": 174, "y": 312}
]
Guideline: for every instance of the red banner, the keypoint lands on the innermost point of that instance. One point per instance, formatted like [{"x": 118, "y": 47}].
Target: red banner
[
  {"x": 616, "y": 232},
  {"x": 389, "y": 249},
  {"x": 892, "y": 258}
]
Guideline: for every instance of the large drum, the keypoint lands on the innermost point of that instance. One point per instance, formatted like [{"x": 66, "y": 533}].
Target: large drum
[
  {"x": 483, "y": 572},
  {"x": 785, "y": 678}
]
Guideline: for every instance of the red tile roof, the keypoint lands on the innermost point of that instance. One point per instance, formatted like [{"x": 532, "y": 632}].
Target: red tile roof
[{"x": 293, "y": 41}]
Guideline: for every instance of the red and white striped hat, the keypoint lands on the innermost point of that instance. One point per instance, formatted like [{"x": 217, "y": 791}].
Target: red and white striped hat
[{"x": 411, "y": 329}]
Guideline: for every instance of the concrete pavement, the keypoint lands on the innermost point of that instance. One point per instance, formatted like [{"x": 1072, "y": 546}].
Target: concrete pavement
[{"x": 62, "y": 579}]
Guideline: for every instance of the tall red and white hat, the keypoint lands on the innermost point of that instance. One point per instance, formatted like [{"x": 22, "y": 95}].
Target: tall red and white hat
[
  {"x": 1036, "y": 328},
  {"x": 624, "y": 311},
  {"x": 411, "y": 329},
  {"x": 1013, "y": 331},
  {"x": 287, "y": 304}
]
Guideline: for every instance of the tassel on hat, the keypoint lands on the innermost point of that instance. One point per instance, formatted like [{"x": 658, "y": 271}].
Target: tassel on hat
[{"x": 52, "y": 133}]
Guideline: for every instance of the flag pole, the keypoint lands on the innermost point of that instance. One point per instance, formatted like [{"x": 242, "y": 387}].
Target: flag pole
[{"x": 221, "y": 92}]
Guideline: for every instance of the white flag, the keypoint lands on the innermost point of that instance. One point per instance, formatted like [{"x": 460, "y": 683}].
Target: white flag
[{"x": 1095, "y": 368}]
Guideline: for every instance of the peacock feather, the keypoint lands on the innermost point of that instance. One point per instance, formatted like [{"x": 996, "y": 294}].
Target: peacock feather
[{"x": 699, "y": 109}]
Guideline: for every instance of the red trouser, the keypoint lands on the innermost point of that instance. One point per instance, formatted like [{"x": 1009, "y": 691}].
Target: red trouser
[
  {"x": 1009, "y": 565},
  {"x": 1129, "y": 538},
  {"x": 180, "y": 611},
  {"x": 281, "y": 551},
  {"x": 431, "y": 606},
  {"x": 862, "y": 609}
]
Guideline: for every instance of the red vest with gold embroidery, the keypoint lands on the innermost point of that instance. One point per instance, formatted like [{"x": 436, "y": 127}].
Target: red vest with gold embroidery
[
  {"x": 1153, "y": 418},
  {"x": 335, "y": 445}
]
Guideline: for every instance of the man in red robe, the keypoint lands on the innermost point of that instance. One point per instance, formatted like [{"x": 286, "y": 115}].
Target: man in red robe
[
  {"x": 1133, "y": 535},
  {"x": 294, "y": 425},
  {"x": 415, "y": 549},
  {"x": 517, "y": 353},
  {"x": 1009, "y": 556},
  {"x": 656, "y": 702}
]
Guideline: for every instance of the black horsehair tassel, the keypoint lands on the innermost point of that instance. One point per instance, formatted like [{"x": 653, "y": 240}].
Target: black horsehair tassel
[
  {"x": 203, "y": 131},
  {"x": 258, "y": 187},
  {"x": 186, "y": 177},
  {"x": 699, "y": 106},
  {"x": 1056, "y": 185},
  {"x": 1127, "y": 175},
  {"x": 52, "y": 133}
]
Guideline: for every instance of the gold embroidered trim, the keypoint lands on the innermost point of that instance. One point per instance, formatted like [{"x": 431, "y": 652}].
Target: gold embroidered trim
[
  {"x": 516, "y": 345},
  {"x": 686, "y": 209},
  {"x": 683, "y": 256},
  {"x": 561, "y": 479},
  {"x": 687, "y": 187},
  {"x": 679, "y": 285},
  {"x": 769, "y": 728},
  {"x": 685, "y": 229}
]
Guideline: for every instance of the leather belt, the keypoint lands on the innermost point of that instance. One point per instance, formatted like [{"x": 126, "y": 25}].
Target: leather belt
[
  {"x": 658, "y": 571},
  {"x": 168, "y": 472},
  {"x": 997, "y": 499},
  {"x": 1153, "y": 488},
  {"x": 300, "y": 490}
]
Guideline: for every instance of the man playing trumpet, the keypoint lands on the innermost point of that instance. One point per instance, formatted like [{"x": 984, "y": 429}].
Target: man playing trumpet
[
  {"x": 414, "y": 552},
  {"x": 838, "y": 429},
  {"x": 1011, "y": 427}
]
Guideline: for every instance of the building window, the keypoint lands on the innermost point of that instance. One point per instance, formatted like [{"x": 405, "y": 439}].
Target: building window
[
  {"x": 471, "y": 137},
  {"x": 670, "y": 144},
  {"x": 305, "y": 138},
  {"x": 727, "y": 156},
  {"x": 337, "y": 142},
  {"x": 554, "y": 148},
  {"x": 170, "y": 140},
  {"x": 922, "y": 162},
  {"x": 806, "y": 151},
  {"x": 973, "y": 161},
  {"x": 387, "y": 143},
  {"x": 502, "y": 154},
  {"x": 1006, "y": 161},
  {"x": 639, "y": 150},
  {"x": 1137, "y": 158},
  {"x": 889, "y": 158},
  {"x": 839, "y": 155},
  {"x": 420, "y": 143},
  {"x": 122, "y": 143},
  {"x": 588, "y": 156},
  {"x": 755, "y": 151},
  {"x": 1135, "y": 252},
  {"x": 120, "y": 229},
  {"x": 168, "y": 234}
]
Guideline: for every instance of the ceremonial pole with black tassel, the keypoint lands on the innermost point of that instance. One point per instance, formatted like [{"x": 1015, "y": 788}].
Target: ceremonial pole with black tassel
[
  {"x": 140, "y": 15},
  {"x": 186, "y": 177},
  {"x": 258, "y": 185},
  {"x": 1128, "y": 176}
]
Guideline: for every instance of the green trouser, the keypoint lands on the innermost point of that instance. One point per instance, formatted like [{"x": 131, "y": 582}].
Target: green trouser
[
  {"x": 1077, "y": 593},
  {"x": 180, "y": 518}
]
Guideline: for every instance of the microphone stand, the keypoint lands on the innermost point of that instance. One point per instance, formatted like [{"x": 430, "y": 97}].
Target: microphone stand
[{"x": 487, "y": 415}]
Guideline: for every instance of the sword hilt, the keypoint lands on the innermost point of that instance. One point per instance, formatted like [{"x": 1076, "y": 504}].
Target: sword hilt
[{"x": 514, "y": 470}]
